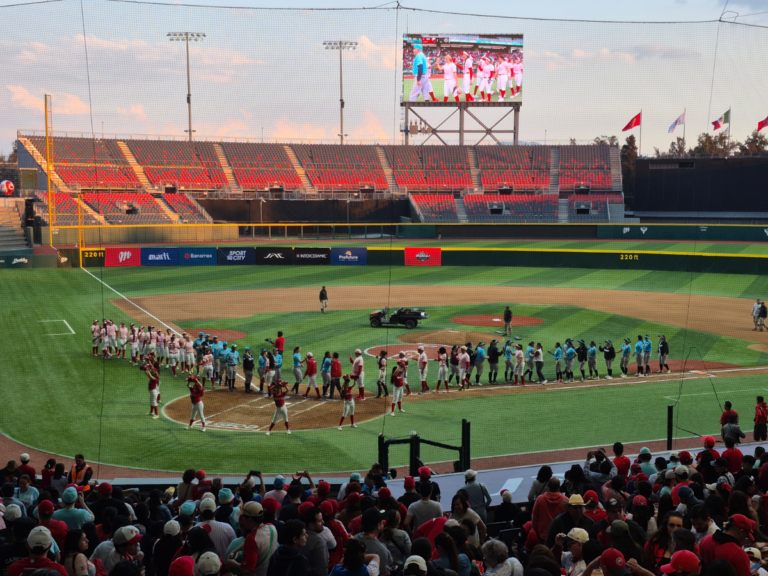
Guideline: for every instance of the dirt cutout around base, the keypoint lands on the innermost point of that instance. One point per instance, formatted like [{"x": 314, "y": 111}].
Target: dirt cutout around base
[
  {"x": 224, "y": 335},
  {"x": 495, "y": 320}
]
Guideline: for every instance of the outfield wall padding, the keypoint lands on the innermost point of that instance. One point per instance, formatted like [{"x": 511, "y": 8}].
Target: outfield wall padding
[
  {"x": 142, "y": 234},
  {"x": 700, "y": 233},
  {"x": 276, "y": 211}
]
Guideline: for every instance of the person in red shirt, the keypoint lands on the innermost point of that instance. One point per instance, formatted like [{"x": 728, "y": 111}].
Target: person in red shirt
[
  {"x": 25, "y": 468},
  {"x": 57, "y": 528},
  {"x": 311, "y": 375},
  {"x": 726, "y": 544},
  {"x": 335, "y": 373},
  {"x": 621, "y": 462},
  {"x": 202, "y": 485},
  {"x": 339, "y": 533},
  {"x": 39, "y": 542},
  {"x": 349, "y": 403},
  {"x": 279, "y": 389},
  {"x": 727, "y": 413},
  {"x": 709, "y": 445},
  {"x": 761, "y": 420},
  {"x": 397, "y": 390},
  {"x": 279, "y": 342},
  {"x": 47, "y": 472},
  {"x": 593, "y": 509},
  {"x": 546, "y": 507},
  {"x": 196, "y": 391},
  {"x": 733, "y": 455}
]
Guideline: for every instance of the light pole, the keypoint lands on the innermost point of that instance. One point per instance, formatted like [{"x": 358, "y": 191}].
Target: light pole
[
  {"x": 341, "y": 46},
  {"x": 186, "y": 37}
]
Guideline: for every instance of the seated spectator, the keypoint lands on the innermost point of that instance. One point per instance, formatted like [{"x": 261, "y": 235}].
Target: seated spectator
[
  {"x": 15, "y": 547},
  {"x": 10, "y": 473},
  {"x": 8, "y": 491},
  {"x": 573, "y": 517},
  {"x": 460, "y": 511},
  {"x": 727, "y": 544},
  {"x": 166, "y": 547},
  {"x": 497, "y": 560},
  {"x": 372, "y": 527},
  {"x": 660, "y": 546},
  {"x": 410, "y": 496},
  {"x": 357, "y": 562},
  {"x": 397, "y": 541},
  {"x": 507, "y": 510},
  {"x": 126, "y": 541},
  {"x": 39, "y": 542},
  {"x": 74, "y": 556},
  {"x": 26, "y": 493},
  {"x": 593, "y": 508},
  {"x": 57, "y": 528},
  {"x": 288, "y": 555},
  {"x": 424, "y": 510},
  {"x": 73, "y": 517},
  {"x": 449, "y": 557},
  {"x": 316, "y": 549},
  {"x": 575, "y": 481},
  {"x": 569, "y": 548},
  {"x": 622, "y": 540},
  {"x": 643, "y": 514},
  {"x": 59, "y": 479}
]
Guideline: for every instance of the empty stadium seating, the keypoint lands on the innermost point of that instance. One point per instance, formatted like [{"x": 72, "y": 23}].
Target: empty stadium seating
[
  {"x": 332, "y": 167},
  {"x": 81, "y": 150},
  {"x": 436, "y": 208},
  {"x": 516, "y": 208},
  {"x": 261, "y": 165},
  {"x": 66, "y": 210},
  {"x": 265, "y": 177},
  {"x": 185, "y": 208},
  {"x": 187, "y": 177},
  {"x": 98, "y": 176},
  {"x": 188, "y": 165},
  {"x": 596, "y": 204},
  {"x": 585, "y": 165},
  {"x": 118, "y": 202},
  {"x": 440, "y": 168},
  {"x": 521, "y": 167}
]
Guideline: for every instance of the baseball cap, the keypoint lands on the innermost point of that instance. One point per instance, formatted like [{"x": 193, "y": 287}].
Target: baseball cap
[
  {"x": 126, "y": 535},
  {"x": 385, "y": 493},
  {"x": 680, "y": 470},
  {"x": 708, "y": 440},
  {"x": 684, "y": 561},
  {"x": 578, "y": 535},
  {"x": 172, "y": 528},
  {"x": 208, "y": 564},
  {"x": 409, "y": 482},
  {"x": 207, "y": 335},
  {"x": 247, "y": 348},
  {"x": 744, "y": 523},
  {"x": 24, "y": 457},
  {"x": 420, "y": 348},
  {"x": 506, "y": 496},
  {"x": 614, "y": 562},
  {"x": 200, "y": 474},
  {"x": 754, "y": 554},
  {"x": 225, "y": 496},
  {"x": 685, "y": 457},
  {"x": 105, "y": 488},
  {"x": 612, "y": 503},
  {"x": 279, "y": 482},
  {"x": 188, "y": 508},
  {"x": 270, "y": 505},
  {"x": 12, "y": 512},
  {"x": 309, "y": 354},
  {"x": 45, "y": 508},
  {"x": 425, "y": 473},
  {"x": 69, "y": 495},
  {"x": 469, "y": 474},
  {"x": 371, "y": 518},
  {"x": 201, "y": 334},
  {"x": 326, "y": 507},
  {"x": 234, "y": 345},
  {"x": 39, "y": 536},
  {"x": 182, "y": 566},
  {"x": 590, "y": 496},
  {"x": 323, "y": 487},
  {"x": 252, "y": 510},
  {"x": 355, "y": 477},
  {"x": 207, "y": 504},
  {"x": 645, "y": 450},
  {"x": 418, "y": 47},
  {"x": 685, "y": 492},
  {"x": 358, "y": 351},
  {"x": 618, "y": 527},
  {"x": 674, "y": 456},
  {"x": 722, "y": 462},
  {"x": 416, "y": 561},
  {"x": 574, "y": 500},
  {"x": 639, "y": 501}
]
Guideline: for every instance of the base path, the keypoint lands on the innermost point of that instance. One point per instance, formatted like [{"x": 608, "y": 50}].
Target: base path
[{"x": 495, "y": 320}]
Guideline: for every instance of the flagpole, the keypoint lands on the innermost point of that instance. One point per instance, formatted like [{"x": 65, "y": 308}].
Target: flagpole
[
  {"x": 641, "y": 133},
  {"x": 729, "y": 131},
  {"x": 684, "y": 118}
]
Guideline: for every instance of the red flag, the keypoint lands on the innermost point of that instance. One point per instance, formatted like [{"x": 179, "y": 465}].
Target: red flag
[
  {"x": 633, "y": 123},
  {"x": 762, "y": 124}
]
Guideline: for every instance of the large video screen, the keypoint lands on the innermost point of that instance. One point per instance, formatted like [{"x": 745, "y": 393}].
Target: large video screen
[{"x": 462, "y": 67}]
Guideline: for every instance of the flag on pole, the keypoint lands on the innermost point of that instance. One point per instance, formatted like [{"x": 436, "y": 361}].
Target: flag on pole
[
  {"x": 633, "y": 123},
  {"x": 724, "y": 119},
  {"x": 762, "y": 124},
  {"x": 680, "y": 120}
]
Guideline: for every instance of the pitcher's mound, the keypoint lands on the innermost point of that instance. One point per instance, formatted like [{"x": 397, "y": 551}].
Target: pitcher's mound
[
  {"x": 224, "y": 335},
  {"x": 495, "y": 320},
  {"x": 449, "y": 337}
]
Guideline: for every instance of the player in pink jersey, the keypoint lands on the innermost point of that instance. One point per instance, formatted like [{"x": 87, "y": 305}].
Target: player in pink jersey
[
  {"x": 349, "y": 403},
  {"x": 152, "y": 370},
  {"x": 422, "y": 363},
  {"x": 133, "y": 340},
  {"x": 449, "y": 79},
  {"x": 173, "y": 353},
  {"x": 205, "y": 368},
  {"x": 162, "y": 353},
  {"x": 104, "y": 338},
  {"x": 151, "y": 346},
  {"x": 122, "y": 339},
  {"x": 517, "y": 70},
  {"x": 502, "y": 77},
  {"x": 485, "y": 78},
  {"x": 358, "y": 373},
  {"x": 111, "y": 337},
  {"x": 401, "y": 359},
  {"x": 278, "y": 391},
  {"x": 442, "y": 370},
  {"x": 189, "y": 354},
  {"x": 466, "y": 76},
  {"x": 143, "y": 343},
  {"x": 463, "y": 367},
  {"x": 398, "y": 384},
  {"x": 95, "y": 337}
]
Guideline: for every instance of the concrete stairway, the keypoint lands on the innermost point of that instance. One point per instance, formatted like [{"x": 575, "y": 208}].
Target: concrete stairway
[
  {"x": 231, "y": 180},
  {"x": 298, "y": 168},
  {"x": 90, "y": 211},
  {"x": 137, "y": 169},
  {"x": 167, "y": 210},
  {"x": 554, "y": 170},
  {"x": 615, "y": 169},
  {"x": 40, "y": 159},
  {"x": 387, "y": 167},
  {"x": 461, "y": 212},
  {"x": 474, "y": 171},
  {"x": 562, "y": 211},
  {"x": 11, "y": 231}
]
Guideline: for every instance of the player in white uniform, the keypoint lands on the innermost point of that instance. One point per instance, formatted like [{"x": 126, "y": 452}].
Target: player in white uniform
[
  {"x": 517, "y": 70},
  {"x": 133, "y": 339},
  {"x": 381, "y": 362},
  {"x": 349, "y": 403},
  {"x": 449, "y": 79},
  {"x": 463, "y": 367},
  {"x": 484, "y": 78},
  {"x": 442, "y": 370},
  {"x": 206, "y": 366},
  {"x": 122, "y": 339},
  {"x": 466, "y": 76},
  {"x": 502, "y": 78},
  {"x": 173, "y": 353},
  {"x": 95, "y": 337},
  {"x": 422, "y": 363},
  {"x": 143, "y": 343},
  {"x": 189, "y": 353},
  {"x": 402, "y": 360},
  {"x": 358, "y": 373},
  {"x": 397, "y": 387},
  {"x": 111, "y": 337},
  {"x": 196, "y": 391},
  {"x": 430, "y": 62},
  {"x": 105, "y": 353},
  {"x": 161, "y": 352}
]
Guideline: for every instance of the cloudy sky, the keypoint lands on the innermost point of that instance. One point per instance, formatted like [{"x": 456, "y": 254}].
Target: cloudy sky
[{"x": 263, "y": 70}]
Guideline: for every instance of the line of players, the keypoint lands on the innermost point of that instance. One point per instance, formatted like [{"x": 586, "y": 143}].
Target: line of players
[{"x": 503, "y": 72}]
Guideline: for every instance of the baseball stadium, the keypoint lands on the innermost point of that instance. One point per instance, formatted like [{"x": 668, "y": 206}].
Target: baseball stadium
[{"x": 472, "y": 285}]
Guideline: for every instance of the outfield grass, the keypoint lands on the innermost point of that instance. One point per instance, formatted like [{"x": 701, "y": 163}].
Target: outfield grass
[
  {"x": 437, "y": 85},
  {"x": 59, "y": 398}
]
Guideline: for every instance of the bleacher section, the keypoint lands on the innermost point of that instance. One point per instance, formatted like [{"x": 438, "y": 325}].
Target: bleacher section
[
  {"x": 98, "y": 176},
  {"x": 336, "y": 167},
  {"x": 185, "y": 208},
  {"x": 438, "y": 168},
  {"x": 521, "y": 167},
  {"x": 516, "y": 208},
  {"x": 261, "y": 165},
  {"x": 585, "y": 165},
  {"x": 435, "y": 208},
  {"x": 595, "y": 204},
  {"x": 113, "y": 207},
  {"x": 66, "y": 210},
  {"x": 188, "y": 165}
]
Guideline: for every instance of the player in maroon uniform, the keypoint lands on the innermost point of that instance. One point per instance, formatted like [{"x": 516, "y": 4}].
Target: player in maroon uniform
[
  {"x": 349, "y": 403},
  {"x": 152, "y": 369},
  {"x": 398, "y": 383},
  {"x": 279, "y": 389},
  {"x": 196, "y": 391}
]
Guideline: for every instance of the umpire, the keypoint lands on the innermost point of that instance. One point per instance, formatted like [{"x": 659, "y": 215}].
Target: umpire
[
  {"x": 507, "y": 322},
  {"x": 248, "y": 365},
  {"x": 323, "y": 299},
  {"x": 663, "y": 353}
]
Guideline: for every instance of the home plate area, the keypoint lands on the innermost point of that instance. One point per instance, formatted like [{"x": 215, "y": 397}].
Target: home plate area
[{"x": 495, "y": 320}]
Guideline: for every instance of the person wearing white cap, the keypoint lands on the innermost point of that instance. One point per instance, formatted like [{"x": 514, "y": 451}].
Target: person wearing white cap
[
  {"x": 39, "y": 543},
  {"x": 222, "y": 534},
  {"x": 126, "y": 541},
  {"x": 166, "y": 547},
  {"x": 570, "y": 547},
  {"x": 311, "y": 375},
  {"x": 477, "y": 494},
  {"x": 209, "y": 564},
  {"x": 358, "y": 373},
  {"x": 422, "y": 363},
  {"x": 25, "y": 468},
  {"x": 415, "y": 565},
  {"x": 260, "y": 542}
]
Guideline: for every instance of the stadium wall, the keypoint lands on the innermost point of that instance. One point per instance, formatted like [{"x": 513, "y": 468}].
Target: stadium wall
[{"x": 275, "y": 211}]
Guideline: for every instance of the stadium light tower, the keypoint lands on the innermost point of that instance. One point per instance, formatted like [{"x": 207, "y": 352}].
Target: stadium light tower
[
  {"x": 341, "y": 46},
  {"x": 186, "y": 37}
]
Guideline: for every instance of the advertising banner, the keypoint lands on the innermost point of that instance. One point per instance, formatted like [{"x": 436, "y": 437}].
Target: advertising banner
[
  {"x": 122, "y": 257},
  {"x": 274, "y": 256},
  {"x": 159, "y": 256},
  {"x": 423, "y": 256},
  {"x": 349, "y": 256},
  {"x": 19, "y": 261},
  {"x": 316, "y": 256},
  {"x": 197, "y": 256},
  {"x": 234, "y": 256}
]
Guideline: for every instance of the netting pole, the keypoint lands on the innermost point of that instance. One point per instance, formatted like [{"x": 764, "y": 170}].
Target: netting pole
[
  {"x": 415, "y": 455},
  {"x": 465, "y": 459},
  {"x": 670, "y": 425},
  {"x": 383, "y": 453}
]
